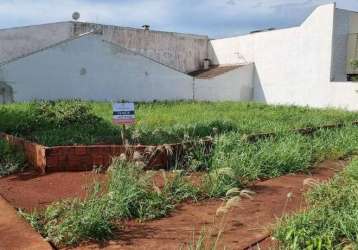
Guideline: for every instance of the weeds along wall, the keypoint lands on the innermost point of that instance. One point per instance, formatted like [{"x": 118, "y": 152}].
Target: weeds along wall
[{"x": 293, "y": 66}]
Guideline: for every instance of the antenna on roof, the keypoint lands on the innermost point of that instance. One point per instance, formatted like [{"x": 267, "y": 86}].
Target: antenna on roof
[
  {"x": 146, "y": 27},
  {"x": 76, "y": 15}
]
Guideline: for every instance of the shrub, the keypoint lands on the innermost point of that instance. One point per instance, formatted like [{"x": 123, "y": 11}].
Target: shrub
[{"x": 11, "y": 160}]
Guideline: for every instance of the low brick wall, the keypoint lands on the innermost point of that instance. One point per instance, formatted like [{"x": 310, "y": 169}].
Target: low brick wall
[
  {"x": 35, "y": 153},
  {"x": 83, "y": 158},
  {"x": 79, "y": 158}
]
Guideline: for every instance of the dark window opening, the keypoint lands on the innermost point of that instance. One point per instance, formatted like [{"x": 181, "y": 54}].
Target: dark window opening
[{"x": 352, "y": 77}]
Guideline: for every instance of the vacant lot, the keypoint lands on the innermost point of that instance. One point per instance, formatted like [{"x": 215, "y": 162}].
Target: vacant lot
[
  {"x": 230, "y": 167},
  {"x": 226, "y": 173},
  {"x": 76, "y": 122}
]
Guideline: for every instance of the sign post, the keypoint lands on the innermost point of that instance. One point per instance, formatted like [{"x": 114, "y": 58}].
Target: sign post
[{"x": 124, "y": 114}]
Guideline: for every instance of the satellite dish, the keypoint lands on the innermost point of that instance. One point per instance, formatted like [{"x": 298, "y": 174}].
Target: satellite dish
[{"x": 76, "y": 15}]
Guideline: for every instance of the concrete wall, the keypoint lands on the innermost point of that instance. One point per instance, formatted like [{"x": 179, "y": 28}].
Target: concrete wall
[
  {"x": 183, "y": 52},
  {"x": 90, "y": 68},
  {"x": 236, "y": 85},
  {"x": 293, "y": 66},
  {"x": 17, "y": 42}
]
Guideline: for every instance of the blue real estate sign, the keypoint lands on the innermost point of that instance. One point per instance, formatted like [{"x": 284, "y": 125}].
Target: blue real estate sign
[{"x": 123, "y": 113}]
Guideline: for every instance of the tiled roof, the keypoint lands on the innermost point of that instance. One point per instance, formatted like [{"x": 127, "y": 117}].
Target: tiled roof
[{"x": 213, "y": 71}]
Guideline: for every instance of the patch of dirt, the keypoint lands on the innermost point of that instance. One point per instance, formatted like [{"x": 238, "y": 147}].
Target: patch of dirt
[
  {"x": 30, "y": 190},
  {"x": 11, "y": 226},
  {"x": 242, "y": 227}
]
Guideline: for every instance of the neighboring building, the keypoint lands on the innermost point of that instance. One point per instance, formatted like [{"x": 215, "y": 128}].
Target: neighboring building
[{"x": 304, "y": 65}]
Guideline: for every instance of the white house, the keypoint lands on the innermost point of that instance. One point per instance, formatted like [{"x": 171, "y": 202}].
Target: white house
[{"x": 304, "y": 65}]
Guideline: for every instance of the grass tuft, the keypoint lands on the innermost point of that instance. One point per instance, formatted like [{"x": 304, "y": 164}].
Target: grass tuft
[{"x": 331, "y": 221}]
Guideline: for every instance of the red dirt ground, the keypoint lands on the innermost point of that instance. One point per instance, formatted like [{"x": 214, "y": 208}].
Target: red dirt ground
[
  {"x": 30, "y": 190},
  {"x": 244, "y": 225},
  {"x": 11, "y": 225}
]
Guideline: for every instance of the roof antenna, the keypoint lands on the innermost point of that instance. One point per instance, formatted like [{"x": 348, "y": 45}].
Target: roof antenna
[
  {"x": 76, "y": 15},
  {"x": 146, "y": 27}
]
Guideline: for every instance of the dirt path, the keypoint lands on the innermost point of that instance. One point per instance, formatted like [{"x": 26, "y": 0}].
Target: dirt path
[
  {"x": 15, "y": 233},
  {"x": 244, "y": 225}
]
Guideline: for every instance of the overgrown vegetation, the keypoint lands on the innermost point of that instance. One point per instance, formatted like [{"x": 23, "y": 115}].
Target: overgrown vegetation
[
  {"x": 331, "y": 220},
  {"x": 229, "y": 164},
  {"x": 235, "y": 162},
  {"x": 79, "y": 122},
  {"x": 129, "y": 194},
  {"x": 11, "y": 160}
]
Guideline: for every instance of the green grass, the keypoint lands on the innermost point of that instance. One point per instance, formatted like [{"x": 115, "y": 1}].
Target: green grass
[
  {"x": 77, "y": 122},
  {"x": 11, "y": 160},
  {"x": 331, "y": 220}
]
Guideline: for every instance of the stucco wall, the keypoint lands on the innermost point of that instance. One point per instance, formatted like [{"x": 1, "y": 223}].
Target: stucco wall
[
  {"x": 183, "y": 52},
  {"x": 236, "y": 85},
  {"x": 292, "y": 66},
  {"x": 24, "y": 40},
  {"x": 90, "y": 68}
]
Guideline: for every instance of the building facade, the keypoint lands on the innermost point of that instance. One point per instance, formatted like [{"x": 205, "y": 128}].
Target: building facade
[{"x": 304, "y": 65}]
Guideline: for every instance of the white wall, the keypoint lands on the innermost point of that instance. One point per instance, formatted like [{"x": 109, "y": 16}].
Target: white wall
[
  {"x": 293, "y": 66},
  {"x": 235, "y": 85},
  {"x": 90, "y": 68}
]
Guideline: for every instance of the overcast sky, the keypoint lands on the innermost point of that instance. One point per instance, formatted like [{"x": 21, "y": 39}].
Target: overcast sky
[{"x": 216, "y": 18}]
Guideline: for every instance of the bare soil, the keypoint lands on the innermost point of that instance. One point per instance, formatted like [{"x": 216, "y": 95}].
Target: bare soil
[
  {"x": 244, "y": 226},
  {"x": 11, "y": 226},
  {"x": 31, "y": 190}
]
